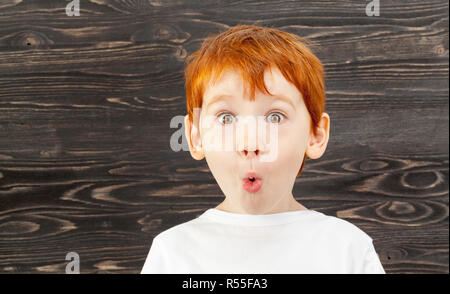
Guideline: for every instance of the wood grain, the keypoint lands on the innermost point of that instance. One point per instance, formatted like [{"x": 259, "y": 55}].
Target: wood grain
[{"x": 86, "y": 101}]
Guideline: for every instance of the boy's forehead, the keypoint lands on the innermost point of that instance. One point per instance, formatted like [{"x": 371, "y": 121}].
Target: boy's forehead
[
  {"x": 223, "y": 84},
  {"x": 231, "y": 84}
]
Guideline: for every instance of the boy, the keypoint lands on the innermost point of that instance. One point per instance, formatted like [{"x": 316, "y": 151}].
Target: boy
[{"x": 259, "y": 227}]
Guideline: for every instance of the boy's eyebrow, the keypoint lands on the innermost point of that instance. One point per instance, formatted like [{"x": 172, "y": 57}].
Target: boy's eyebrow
[
  {"x": 285, "y": 99},
  {"x": 221, "y": 96},
  {"x": 217, "y": 98}
]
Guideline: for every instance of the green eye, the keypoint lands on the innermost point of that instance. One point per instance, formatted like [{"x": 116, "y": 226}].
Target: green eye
[
  {"x": 275, "y": 118},
  {"x": 226, "y": 118}
]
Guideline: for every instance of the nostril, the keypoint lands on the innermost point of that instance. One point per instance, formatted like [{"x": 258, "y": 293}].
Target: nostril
[{"x": 246, "y": 152}]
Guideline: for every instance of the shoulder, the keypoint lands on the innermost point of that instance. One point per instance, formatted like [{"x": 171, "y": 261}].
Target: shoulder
[
  {"x": 352, "y": 243},
  {"x": 165, "y": 248},
  {"x": 178, "y": 233},
  {"x": 341, "y": 230}
]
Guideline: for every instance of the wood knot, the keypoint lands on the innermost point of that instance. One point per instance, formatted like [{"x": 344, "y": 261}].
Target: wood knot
[{"x": 30, "y": 40}]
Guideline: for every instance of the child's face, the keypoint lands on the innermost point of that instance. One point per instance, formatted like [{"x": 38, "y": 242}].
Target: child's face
[{"x": 250, "y": 182}]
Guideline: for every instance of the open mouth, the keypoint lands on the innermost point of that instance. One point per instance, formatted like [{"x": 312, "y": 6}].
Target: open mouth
[{"x": 251, "y": 183}]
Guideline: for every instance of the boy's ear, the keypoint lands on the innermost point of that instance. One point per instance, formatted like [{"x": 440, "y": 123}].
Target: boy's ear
[
  {"x": 194, "y": 140},
  {"x": 317, "y": 144}
]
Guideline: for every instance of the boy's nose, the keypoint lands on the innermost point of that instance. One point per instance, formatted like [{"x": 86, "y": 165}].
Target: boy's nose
[
  {"x": 249, "y": 153},
  {"x": 247, "y": 143}
]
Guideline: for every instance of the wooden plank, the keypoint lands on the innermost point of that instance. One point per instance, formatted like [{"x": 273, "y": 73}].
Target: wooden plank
[{"x": 86, "y": 101}]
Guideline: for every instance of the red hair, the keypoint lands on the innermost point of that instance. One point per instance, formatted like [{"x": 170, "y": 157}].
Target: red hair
[{"x": 252, "y": 49}]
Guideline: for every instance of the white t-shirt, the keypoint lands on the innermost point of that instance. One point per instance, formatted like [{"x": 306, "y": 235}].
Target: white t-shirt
[{"x": 292, "y": 242}]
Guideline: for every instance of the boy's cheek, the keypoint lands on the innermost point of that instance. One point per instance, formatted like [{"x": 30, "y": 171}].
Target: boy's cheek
[
  {"x": 290, "y": 152},
  {"x": 209, "y": 137},
  {"x": 223, "y": 167}
]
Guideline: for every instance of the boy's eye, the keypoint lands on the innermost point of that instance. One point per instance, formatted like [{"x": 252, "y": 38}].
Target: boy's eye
[
  {"x": 275, "y": 118},
  {"x": 226, "y": 118}
]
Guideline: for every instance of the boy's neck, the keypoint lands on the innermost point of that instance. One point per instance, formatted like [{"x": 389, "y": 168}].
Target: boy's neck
[{"x": 292, "y": 205}]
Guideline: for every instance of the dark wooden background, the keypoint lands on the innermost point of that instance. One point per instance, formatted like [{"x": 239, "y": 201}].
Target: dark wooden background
[{"x": 86, "y": 101}]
